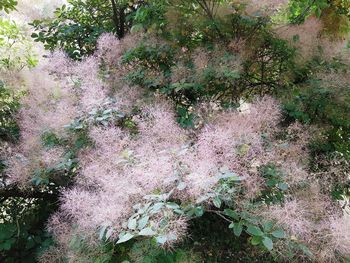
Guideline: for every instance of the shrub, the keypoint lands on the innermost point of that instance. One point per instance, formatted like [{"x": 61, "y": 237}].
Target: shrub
[
  {"x": 77, "y": 25},
  {"x": 9, "y": 105},
  {"x": 16, "y": 50},
  {"x": 8, "y": 5},
  {"x": 324, "y": 101}
]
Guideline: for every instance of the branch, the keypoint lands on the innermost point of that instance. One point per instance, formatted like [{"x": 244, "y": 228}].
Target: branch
[
  {"x": 219, "y": 213},
  {"x": 115, "y": 16}
]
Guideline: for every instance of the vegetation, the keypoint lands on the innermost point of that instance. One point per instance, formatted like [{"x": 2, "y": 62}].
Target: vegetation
[
  {"x": 8, "y": 5},
  {"x": 77, "y": 26},
  {"x": 175, "y": 131}
]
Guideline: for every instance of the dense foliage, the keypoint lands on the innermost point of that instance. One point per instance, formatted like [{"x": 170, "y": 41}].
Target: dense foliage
[
  {"x": 176, "y": 131},
  {"x": 77, "y": 25},
  {"x": 8, "y": 5}
]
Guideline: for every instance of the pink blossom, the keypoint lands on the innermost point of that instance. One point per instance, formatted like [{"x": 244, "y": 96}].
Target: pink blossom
[
  {"x": 340, "y": 234},
  {"x": 108, "y": 49},
  {"x": 294, "y": 216}
]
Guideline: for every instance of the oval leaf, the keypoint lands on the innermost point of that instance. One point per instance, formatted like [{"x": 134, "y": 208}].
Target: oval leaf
[
  {"x": 161, "y": 239},
  {"x": 109, "y": 233},
  {"x": 125, "y": 237},
  {"x": 255, "y": 240},
  {"x": 156, "y": 207},
  {"x": 102, "y": 232},
  {"x": 268, "y": 243},
  {"x": 283, "y": 186},
  {"x": 132, "y": 224},
  {"x": 147, "y": 232},
  {"x": 279, "y": 233},
  {"x": 254, "y": 231},
  {"x": 231, "y": 214},
  {"x": 217, "y": 202},
  {"x": 268, "y": 226},
  {"x": 237, "y": 229},
  {"x": 199, "y": 211},
  {"x": 143, "y": 222}
]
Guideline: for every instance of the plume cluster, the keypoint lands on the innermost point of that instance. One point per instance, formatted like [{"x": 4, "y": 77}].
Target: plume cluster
[
  {"x": 48, "y": 106},
  {"x": 121, "y": 167}
]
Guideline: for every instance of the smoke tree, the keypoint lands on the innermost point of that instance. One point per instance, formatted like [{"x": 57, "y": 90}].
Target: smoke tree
[{"x": 179, "y": 131}]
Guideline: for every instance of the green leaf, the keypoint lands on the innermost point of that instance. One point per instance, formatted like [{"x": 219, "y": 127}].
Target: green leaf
[
  {"x": 161, "y": 239},
  {"x": 268, "y": 243},
  {"x": 217, "y": 202},
  {"x": 143, "y": 222},
  {"x": 6, "y": 245},
  {"x": 271, "y": 182},
  {"x": 172, "y": 206},
  {"x": 109, "y": 233},
  {"x": 237, "y": 229},
  {"x": 243, "y": 149},
  {"x": 283, "y": 186},
  {"x": 156, "y": 207},
  {"x": 268, "y": 226},
  {"x": 296, "y": 38},
  {"x": 125, "y": 237},
  {"x": 179, "y": 211},
  {"x": 318, "y": 12},
  {"x": 132, "y": 224},
  {"x": 7, "y": 231},
  {"x": 231, "y": 213},
  {"x": 254, "y": 231},
  {"x": 199, "y": 211},
  {"x": 181, "y": 186},
  {"x": 255, "y": 240},
  {"x": 279, "y": 233},
  {"x": 108, "y": 111},
  {"x": 102, "y": 232},
  {"x": 147, "y": 232},
  {"x": 306, "y": 250}
]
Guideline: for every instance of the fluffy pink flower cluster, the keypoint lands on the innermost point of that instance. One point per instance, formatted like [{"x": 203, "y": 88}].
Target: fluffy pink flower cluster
[
  {"x": 313, "y": 219},
  {"x": 48, "y": 106},
  {"x": 109, "y": 49},
  {"x": 310, "y": 38},
  {"x": 118, "y": 169},
  {"x": 233, "y": 140},
  {"x": 339, "y": 232},
  {"x": 91, "y": 88},
  {"x": 121, "y": 167},
  {"x": 257, "y": 7}
]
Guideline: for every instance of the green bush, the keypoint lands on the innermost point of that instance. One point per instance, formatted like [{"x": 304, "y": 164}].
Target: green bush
[
  {"x": 326, "y": 104},
  {"x": 8, "y": 5},
  {"x": 22, "y": 229},
  {"x": 16, "y": 50},
  {"x": 9, "y": 105},
  {"x": 77, "y": 25}
]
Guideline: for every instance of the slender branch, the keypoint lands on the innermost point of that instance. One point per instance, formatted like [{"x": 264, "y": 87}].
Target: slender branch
[
  {"x": 204, "y": 6},
  {"x": 219, "y": 213}
]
